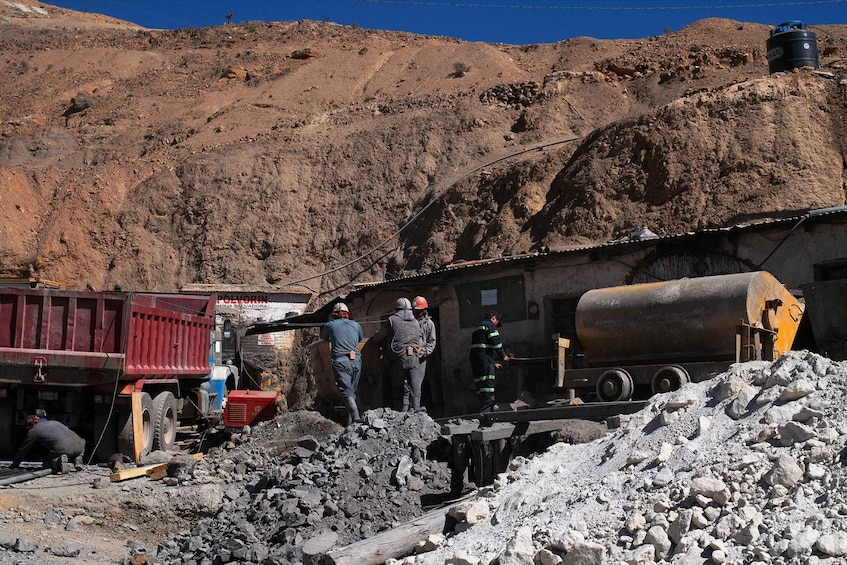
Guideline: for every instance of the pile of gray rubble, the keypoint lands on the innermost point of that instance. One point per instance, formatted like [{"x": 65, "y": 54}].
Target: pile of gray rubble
[
  {"x": 748, "y": 467},
  {"x": 280, "y": 495}
]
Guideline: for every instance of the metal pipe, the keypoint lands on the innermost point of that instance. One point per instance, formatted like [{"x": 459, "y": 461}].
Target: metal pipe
[
  {"x": 23, "y": 465},
  {"x": 25, "y": 477},
  {"x": 806, "y": 216}
]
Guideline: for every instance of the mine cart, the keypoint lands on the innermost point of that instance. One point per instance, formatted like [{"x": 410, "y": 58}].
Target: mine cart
[{"x": 650, "y": 338}]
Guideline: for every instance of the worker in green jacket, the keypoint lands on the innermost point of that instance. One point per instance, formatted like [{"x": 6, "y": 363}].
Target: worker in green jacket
[{"x": 487, "y": 355}]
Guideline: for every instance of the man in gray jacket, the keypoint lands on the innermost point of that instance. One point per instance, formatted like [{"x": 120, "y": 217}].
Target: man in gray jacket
[
  {"x": 412, "y": 396},
  {"x": 60, "y": 442},
  {"x": 401, "y": 338}
]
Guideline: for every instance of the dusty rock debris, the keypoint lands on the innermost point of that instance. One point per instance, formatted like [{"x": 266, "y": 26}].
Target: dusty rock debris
[
  {"x": 371, "y": 477},
  {"x": 744, "y": 468}
]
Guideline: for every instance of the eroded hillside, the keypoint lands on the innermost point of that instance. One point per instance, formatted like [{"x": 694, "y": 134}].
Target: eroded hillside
[{"x": 270, "y": 153}]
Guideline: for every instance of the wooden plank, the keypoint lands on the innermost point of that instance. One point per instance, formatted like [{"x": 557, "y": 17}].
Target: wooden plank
[
  {"x": 151, "y": 471},
  {"x": 504, "y": 430},
  {"x": 495, "y": 431},
  {"x": 393, "y": 543},
  {"x": 562, "y": 350},
  {"x": 158, "y": 472},
  {"x": 124, "y": 474},
  {"x": 137, "y": 426},
  {"x": 463, "y": 427}
]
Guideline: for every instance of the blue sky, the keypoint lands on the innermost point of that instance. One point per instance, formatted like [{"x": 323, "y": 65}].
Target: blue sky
[{"x": 516, "y": 22}]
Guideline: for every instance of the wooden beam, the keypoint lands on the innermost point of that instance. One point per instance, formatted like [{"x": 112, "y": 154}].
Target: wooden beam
[
  {"x": 595, "y": 411},
  {"x": 503, "y": 430},
  {"x": 137, "y": 426},
  {"x": 393, "y": 543},
  {"x": 125, "y": 474},
  {"x": 155, "y": 471},
  {"x": 158, "y": 472},
  {"x": 463, "y": 427}
]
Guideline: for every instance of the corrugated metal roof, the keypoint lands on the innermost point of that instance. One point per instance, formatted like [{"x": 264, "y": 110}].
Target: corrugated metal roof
[
  {"x": 246, "y": 289},
  {"x": 624, "y": 242}
]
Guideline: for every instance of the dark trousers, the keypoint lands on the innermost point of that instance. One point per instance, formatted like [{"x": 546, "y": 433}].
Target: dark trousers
[
  {"x": 400, "y": 376},
  {"x": 347, "y": 372},
  {"x": 412, "y": 387},
  {"x": 485, "y": 380},
  {"x": 486, "y": 401}
]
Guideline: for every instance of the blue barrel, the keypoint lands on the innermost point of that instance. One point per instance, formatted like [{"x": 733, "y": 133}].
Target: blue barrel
[{"x": 791, "y": 46}]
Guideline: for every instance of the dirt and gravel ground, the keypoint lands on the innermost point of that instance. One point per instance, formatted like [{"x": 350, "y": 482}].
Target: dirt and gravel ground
[
  {"x": 81, "y": 517},
  {"x": 743, "y": 468},
  {"x": 64, "y": 519},
  {"x": 279, "y": 485}
]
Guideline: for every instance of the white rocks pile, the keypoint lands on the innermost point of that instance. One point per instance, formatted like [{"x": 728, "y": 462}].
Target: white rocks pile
[{"x": 743, "y": 468}]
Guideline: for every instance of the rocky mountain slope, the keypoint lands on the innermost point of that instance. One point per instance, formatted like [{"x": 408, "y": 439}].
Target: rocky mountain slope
[{"x": 272, "y": 153}]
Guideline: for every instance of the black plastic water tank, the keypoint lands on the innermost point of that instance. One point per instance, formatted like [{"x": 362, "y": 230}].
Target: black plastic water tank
[{"x": 791, "y": 46}]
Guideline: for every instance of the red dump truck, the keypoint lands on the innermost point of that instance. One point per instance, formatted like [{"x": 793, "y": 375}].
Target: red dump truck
[{"x": 122, "y": 369}]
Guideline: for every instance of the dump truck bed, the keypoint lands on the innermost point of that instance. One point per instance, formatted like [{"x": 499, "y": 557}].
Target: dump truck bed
[{"x": 78, "y": 338}]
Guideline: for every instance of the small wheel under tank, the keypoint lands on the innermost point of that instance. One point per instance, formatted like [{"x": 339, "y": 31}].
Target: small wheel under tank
[
  {"x": 669, "y": 378},
  {"x": 614, "y": 385}
]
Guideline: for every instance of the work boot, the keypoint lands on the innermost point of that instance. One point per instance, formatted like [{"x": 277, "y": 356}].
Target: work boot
[
  {"x": 60, "y": 465},
  {"x": 352, "y": 409}
]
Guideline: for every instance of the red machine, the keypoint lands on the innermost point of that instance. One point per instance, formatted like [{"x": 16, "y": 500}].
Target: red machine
[{"x": 249, "y": 407}]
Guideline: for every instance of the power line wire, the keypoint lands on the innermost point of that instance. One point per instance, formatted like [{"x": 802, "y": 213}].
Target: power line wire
[{"x": 430, "y": 203}]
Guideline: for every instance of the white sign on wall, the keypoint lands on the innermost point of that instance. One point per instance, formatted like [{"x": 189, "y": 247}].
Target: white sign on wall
[
  {"x": 252, "y": 307},
  {"x": 488, "y": 297}
]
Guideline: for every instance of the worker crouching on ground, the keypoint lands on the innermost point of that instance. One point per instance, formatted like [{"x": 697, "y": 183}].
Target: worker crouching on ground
[
  {"x": 486, "y": 355},
  {"x": 344, "y": 335},
  {"x": 401, "y": 332},
  {"x": 413, "y": 392},
  {"x": 60, "y": 442}
]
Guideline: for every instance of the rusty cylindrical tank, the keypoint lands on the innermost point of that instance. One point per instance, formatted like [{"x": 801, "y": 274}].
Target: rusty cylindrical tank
[{"x": 687, "y": 319}]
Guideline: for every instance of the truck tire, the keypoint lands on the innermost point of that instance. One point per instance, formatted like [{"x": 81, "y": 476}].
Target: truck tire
[
  {"x": 125, "y": 436},
  {"x": 108, "y": 445},
  {"x": 614, "y": 385},
  {"x": 8, "y": 443},
  {"x": 669, "y": 378},
  {"x": 164, "y": 421}
]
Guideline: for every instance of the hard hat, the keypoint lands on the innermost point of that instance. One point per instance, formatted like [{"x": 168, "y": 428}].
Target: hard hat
[
  {"x": 340, "y": 307},
  {"x": 402, "y": 304},
  {"x": 419, "y": 303}
]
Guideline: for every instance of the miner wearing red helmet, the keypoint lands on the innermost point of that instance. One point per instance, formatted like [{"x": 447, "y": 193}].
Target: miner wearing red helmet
[{"x": 419, "y": 309}]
